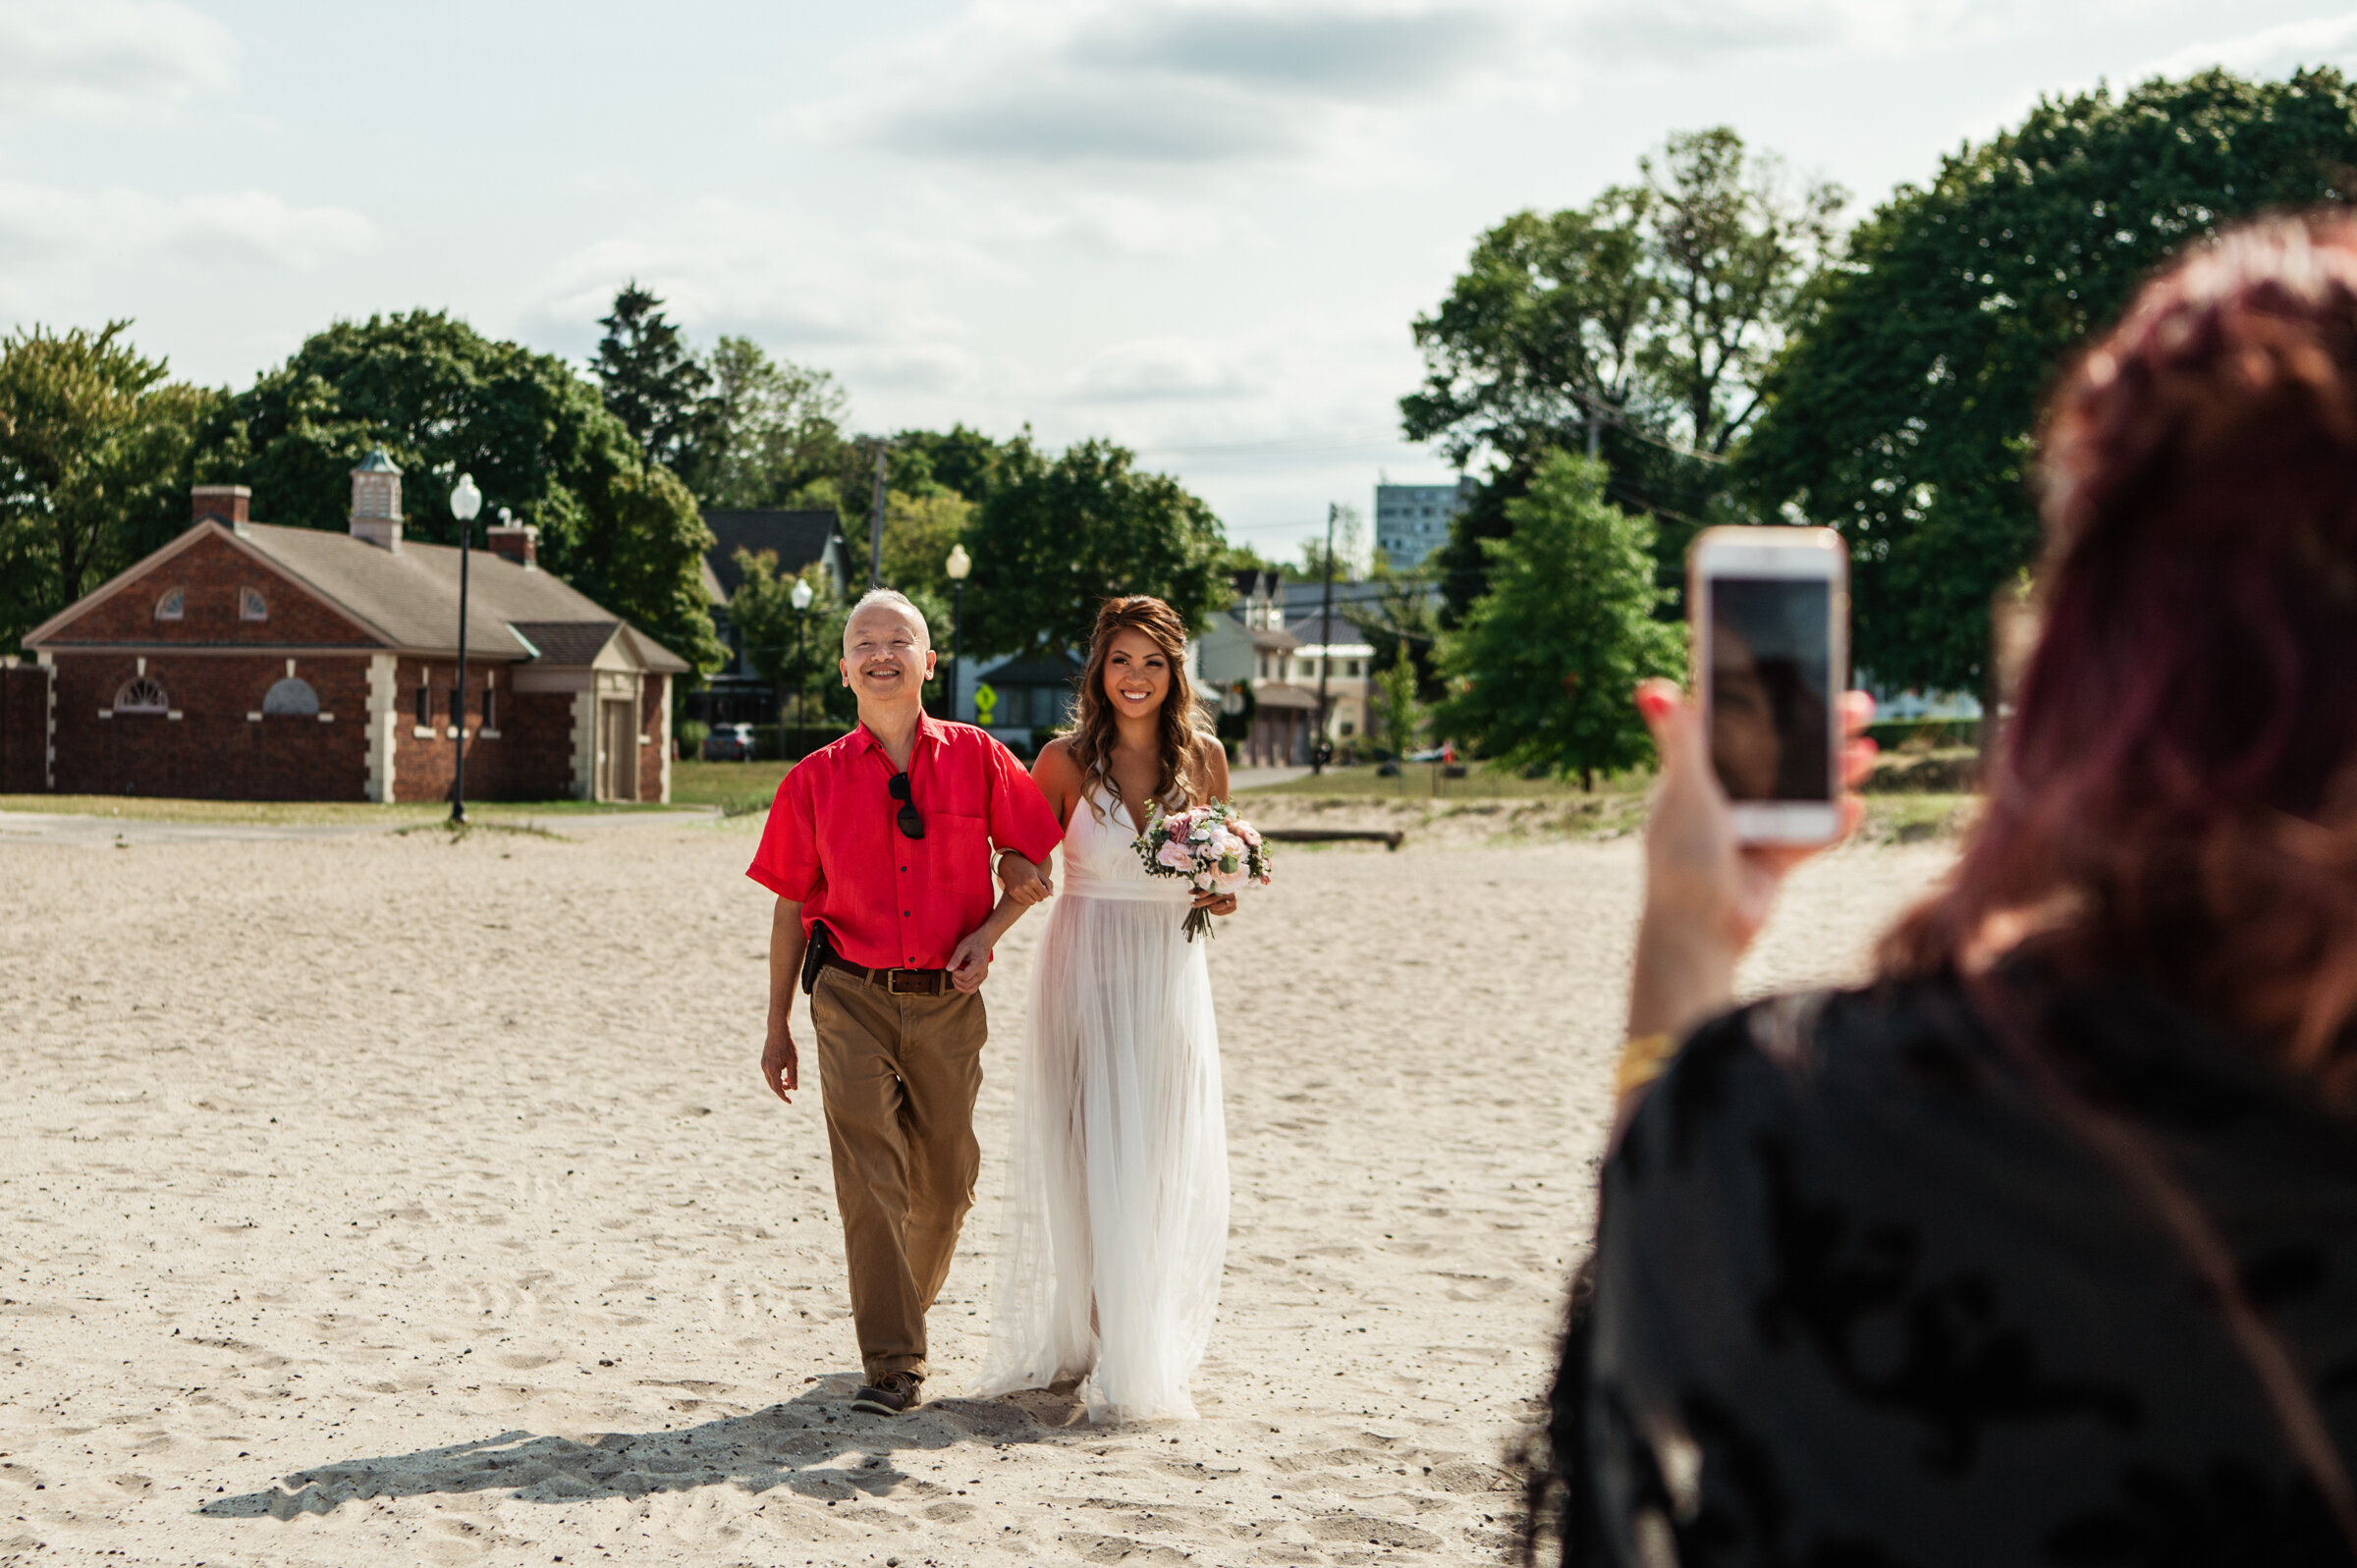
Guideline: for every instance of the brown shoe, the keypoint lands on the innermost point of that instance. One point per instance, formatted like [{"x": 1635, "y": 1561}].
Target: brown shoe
[{"x": 893, "y": 1394}]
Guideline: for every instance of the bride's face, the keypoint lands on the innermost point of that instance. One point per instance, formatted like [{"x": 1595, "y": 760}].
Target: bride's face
[{"x": 1137, "y": 674}]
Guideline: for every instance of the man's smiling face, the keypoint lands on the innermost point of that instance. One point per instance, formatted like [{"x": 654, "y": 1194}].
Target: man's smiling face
[{"x": 887, "y": 654}]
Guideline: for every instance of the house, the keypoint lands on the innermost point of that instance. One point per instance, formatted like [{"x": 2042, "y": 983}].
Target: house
[
  {"x": 736, "y": 693},
  {"x": 1336, "y": 658},
  {"x": 1245, "y": 659},
  {"x": 249, "y": 662}
]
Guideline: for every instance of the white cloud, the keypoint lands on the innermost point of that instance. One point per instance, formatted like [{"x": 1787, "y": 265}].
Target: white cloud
[
  {"x": 1166, "y": 368},
  {"x": 1178, "y": 84},
  {"x": 790, "y": 280},
  {"x": 44, "y": 224},
  {"x": 109, "y": 59},
  {"x": 2269, "y": 52}
]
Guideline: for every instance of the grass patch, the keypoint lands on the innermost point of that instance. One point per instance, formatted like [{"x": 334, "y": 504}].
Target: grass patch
[
  {"x": 1916, "y": 818},
  {"x": 1424, "y": 781},
  {"x": 458, "y": 831},
  {"x": 737, "y": 788}
]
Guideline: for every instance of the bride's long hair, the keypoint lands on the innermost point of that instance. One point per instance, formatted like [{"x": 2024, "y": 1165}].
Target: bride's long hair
[{"x": 1178, "y": 783}]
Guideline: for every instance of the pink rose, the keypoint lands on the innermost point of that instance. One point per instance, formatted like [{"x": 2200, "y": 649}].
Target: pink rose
[{"x": 1175, "y": 857}]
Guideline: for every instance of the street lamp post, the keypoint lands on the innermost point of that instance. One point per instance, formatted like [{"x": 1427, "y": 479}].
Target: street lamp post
[
  {"x": 464, "y": 502},
  {"x": 959, "y": 565},
  {"x": 802, "y": 597}
]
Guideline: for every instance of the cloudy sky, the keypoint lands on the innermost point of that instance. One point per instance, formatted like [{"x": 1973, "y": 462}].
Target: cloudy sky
[{"x": 1199, "y": 226}]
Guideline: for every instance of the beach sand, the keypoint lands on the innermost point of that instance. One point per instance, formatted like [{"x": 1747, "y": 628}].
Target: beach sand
[{"x": 389, "y": 1200}]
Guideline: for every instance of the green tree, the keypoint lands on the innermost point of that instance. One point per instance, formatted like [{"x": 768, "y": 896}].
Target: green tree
[
  {"x": 919, "y": 533},
  {"x": 1058, "y": 537},
  {"x": 1635, "y": 329},
  {"x": 960, "y": 460},
  {"x": 443, "y": 399},
  {"x": 772, "y": 429},
  {"x": 1902, "y": 414},
  {"x": 95, "y": 449},
  {"x": 1395, "y": 701},
  {"x": 659, "y": 391},
  {"x": 1542, "y": 670}
]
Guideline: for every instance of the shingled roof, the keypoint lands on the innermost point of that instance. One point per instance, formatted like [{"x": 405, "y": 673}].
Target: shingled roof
[
  {"x": 409, "y": 597},
  {"x": 796, "y": 538}
]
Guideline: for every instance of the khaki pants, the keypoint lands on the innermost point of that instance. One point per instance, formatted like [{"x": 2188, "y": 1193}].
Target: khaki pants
[{"x": 899, "y": 1075}]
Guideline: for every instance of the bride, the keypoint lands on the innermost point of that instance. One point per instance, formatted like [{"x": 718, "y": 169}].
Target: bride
[{"x": 1117, "y": 1187}]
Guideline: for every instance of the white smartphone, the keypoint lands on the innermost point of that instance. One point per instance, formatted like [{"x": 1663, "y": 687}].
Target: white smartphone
[{"x": 1771, "y": 617}]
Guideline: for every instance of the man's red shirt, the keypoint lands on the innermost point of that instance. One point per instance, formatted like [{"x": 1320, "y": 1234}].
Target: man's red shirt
[{"x": 833, "y": 844}]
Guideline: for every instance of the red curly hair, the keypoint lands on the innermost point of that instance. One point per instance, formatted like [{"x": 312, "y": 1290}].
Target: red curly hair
[{"x": 2175, "y": 794}]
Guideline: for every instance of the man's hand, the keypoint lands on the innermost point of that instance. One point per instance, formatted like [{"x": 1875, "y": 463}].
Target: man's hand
[
  {"x": 1026, "y": 883},
  {"x": 969, "y": 965},
  {"x": 780, "y": 1063}
]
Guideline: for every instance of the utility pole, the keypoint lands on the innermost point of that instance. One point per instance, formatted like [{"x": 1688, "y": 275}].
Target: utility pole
[
  {"x": 875, "y": 526},
  {"x": 1317, "y": 749}
]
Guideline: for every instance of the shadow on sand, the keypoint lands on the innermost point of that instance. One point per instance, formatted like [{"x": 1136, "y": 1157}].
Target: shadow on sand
[{"x": 815, "y": 1446}]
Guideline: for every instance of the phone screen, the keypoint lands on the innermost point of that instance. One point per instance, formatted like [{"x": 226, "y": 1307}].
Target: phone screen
[{"x": 1772, "y": 684}]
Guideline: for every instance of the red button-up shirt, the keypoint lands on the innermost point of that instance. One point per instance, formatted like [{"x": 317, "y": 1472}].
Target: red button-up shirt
[{"x": 833, "y": 844}]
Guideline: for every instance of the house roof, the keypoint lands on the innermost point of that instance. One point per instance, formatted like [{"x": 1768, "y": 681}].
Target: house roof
[
  {"x": 796, "y": 538},
  {"x": 409, "y": 597},
  {"x": 1283, "y": 694},
  {"x": 1316, "y": 632}
]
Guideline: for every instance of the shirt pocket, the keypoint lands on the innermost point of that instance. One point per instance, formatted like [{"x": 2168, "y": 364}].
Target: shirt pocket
[{"x": 962, "y": 836}]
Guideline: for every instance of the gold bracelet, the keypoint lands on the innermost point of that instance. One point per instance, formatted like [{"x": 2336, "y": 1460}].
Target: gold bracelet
[{"x": 1642, "y": 1059}]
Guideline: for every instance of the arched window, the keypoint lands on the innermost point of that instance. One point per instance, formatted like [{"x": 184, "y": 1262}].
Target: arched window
[
  {"x": 292, "y": 696},
  {"x": 142, "y": 695},
  {"x": 171, "y": 605},
  {"x": 252, "y": 606}
]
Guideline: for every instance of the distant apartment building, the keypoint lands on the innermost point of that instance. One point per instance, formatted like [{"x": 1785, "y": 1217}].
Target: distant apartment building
[{"x": 1411, "y": 521}]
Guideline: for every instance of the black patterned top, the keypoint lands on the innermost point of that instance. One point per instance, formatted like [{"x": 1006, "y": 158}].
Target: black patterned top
[{"x": 1862, "y": 1298}]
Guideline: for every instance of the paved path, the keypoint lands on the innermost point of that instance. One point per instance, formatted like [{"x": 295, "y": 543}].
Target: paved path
[{"x": 1263, "y": 777}]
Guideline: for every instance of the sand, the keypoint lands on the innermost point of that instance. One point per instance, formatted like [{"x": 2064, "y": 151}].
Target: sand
[{"x": 384, "y": 1200}]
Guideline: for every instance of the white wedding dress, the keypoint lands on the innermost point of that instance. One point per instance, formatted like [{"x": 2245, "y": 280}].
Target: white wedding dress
[{"x": 1116, "y": 1217}]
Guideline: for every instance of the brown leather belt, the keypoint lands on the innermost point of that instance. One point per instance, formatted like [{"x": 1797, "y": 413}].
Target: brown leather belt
[{"x": 899, "y": 982}]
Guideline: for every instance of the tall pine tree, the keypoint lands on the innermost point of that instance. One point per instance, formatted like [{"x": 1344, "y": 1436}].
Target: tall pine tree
[{"x": 652, "y": 384}]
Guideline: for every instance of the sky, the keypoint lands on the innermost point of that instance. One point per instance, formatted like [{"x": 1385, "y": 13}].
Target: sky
[{"x": 1200, "y": 227}]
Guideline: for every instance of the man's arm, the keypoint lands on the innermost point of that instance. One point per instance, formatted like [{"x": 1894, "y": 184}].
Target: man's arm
[
  {"x": 780, "y": 1062},
  {"x": 969, "y": 965}
]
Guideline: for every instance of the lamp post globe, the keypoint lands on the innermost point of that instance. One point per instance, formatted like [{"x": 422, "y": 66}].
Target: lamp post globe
[
  {"x": 959, "y": 566},
  {"x": 464, "y": 502},
  {"x": 800, "y": 599}
]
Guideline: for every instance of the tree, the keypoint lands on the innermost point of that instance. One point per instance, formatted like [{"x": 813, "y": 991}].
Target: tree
[
  {"x": 919, "y": 533},
  {"x": 1058, "y": 537},
  {"x": 1634, "y": 329},
  {"x": 1396, "y": 702},
  {"x": 652, "y": 384},
  {"x": 771, "y": 429},
  {"x": 94, "y": 460},
  {"x": 443, "y": 399},
  {"x": 1903, "y": 413},
  {"x": 1542, "y": 670},
  {"x": 960, "y": 460}
]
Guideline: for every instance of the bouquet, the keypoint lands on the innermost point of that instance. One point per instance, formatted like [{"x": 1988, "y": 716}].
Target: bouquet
[{"x": 1211, "y": 846}]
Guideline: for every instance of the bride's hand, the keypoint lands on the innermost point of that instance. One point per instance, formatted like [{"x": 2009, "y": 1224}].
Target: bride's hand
[{"x": 1219, "y": 903}]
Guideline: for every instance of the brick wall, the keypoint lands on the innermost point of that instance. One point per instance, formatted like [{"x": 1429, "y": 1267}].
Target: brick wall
[
  {"x": 528, "y": 758},
  {"x": 24, "y": 728},
  {"x": 537, "y": 728},
  {"x": 209, "y": 574},
  {"x": 212, "y": 750},
  {"x": 654, "y": 724}
]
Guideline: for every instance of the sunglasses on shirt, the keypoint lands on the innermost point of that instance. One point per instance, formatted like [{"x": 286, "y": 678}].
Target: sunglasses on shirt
[{"x": 912, "y": 825}]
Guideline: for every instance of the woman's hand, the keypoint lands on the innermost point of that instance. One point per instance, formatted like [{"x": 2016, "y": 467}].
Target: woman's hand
[
  {"x": 1219, "y": 903},
  {"x": 1707, "y": 894}
]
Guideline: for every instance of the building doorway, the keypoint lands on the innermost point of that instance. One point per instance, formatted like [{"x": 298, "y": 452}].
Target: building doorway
[{"x": 617, "y": 751}]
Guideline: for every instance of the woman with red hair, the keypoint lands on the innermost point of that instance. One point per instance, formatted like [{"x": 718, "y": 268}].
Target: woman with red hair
[{"x": 2042, "y": 1246}]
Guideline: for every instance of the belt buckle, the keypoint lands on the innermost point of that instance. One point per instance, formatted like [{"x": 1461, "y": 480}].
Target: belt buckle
[{"x": 892, "y": 982}]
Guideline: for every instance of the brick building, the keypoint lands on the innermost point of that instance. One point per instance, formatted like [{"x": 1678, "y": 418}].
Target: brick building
[{"x": 247, "y": 662}]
